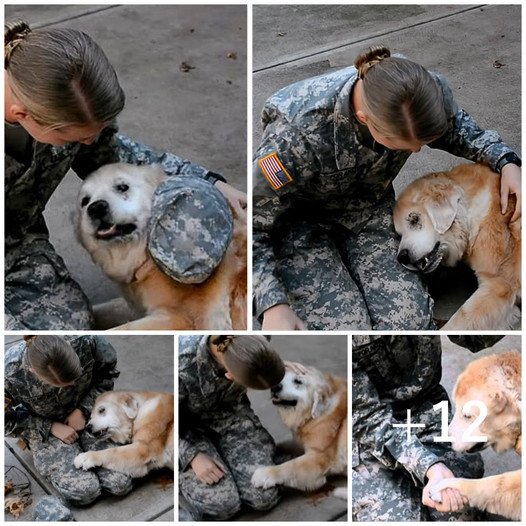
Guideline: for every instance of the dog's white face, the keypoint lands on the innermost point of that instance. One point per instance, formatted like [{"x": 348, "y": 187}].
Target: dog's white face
[
  {"x": 300, "y": 397},
  {"x": 114, "y": 203},
  {"x": 112, "y": 417},
  {"x": 424, "y": 218}
]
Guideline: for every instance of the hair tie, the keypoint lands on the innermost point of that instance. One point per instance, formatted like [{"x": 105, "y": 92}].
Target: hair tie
[
  {"x": 364, "y": 68},
  {"x": 29, "y": 339},
  {"x": 12, "y": 45}
]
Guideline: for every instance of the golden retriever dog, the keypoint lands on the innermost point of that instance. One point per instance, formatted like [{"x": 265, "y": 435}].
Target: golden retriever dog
[
  {"x": 496, "y": 382},
  {"x": 142, "y": 421},
  {"x": 448, "y": 217},
  {"x": 314, "y": 406},
  {"x": 113, "y": 209}
]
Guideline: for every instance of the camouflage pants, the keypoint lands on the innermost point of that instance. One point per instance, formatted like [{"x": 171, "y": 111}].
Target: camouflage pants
[
  {"x": 54, "y": 461},
  {"x": 40, "y": 294},
  {"x": 381, "y": 494},
  {"x": 342, "y": 280},
  {"x": 241, "y": 447}
]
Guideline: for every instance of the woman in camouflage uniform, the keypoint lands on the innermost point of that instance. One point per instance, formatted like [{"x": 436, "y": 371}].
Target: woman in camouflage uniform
[
  {"x": 221, "y": 440},
  {"x": 51, "y": 384},
  {"x": 324, "y": 245},
  {"x": 61, "y": 100}
]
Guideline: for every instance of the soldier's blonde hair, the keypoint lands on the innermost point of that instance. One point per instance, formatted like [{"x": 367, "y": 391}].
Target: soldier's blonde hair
[
  {"x": 251, "y": 360},
  {"x": 400, "y": 98},
  {"x": 53, "y": 359},
  {"x": 61, "y": 76}
]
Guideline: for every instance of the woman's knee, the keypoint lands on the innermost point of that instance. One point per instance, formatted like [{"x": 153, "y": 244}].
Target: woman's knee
[{"x": 261, "y": 500}]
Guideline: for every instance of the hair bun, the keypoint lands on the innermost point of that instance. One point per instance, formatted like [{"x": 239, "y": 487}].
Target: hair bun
[
  {"x": 370, "y": 57},
  {"x": 29, "y": 338},
  {"x": 222, "y": 342},
  {"x": 14, "y": 33}
]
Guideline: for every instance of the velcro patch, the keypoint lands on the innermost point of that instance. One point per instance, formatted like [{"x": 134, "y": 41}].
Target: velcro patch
[{"x": 274, "y": 171}]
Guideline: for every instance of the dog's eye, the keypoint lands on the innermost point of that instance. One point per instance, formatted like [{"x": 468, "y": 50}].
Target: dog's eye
[
  {"x": 84, "y": 202},
  {"x": 413, "y": 219},
  {"x": 468, "y": 417},
  {"x": 122, "y": 188},
  {"x": 298, "y": 382},
  {"x": 101, "y": 410}
]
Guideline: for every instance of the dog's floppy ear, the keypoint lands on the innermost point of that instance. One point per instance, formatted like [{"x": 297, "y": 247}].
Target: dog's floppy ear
[
  {"x": 319, "y": 404},
  {"x": 499, "y": 401},
  {"x": 443, "y": 208},
  {"x": 130, "y": 407}
]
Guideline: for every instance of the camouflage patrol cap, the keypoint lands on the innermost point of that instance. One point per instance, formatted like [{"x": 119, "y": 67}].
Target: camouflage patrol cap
[{"x": 190, "y": 228}]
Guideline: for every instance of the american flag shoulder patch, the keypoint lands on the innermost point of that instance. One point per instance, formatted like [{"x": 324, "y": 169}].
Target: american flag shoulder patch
[{"x": 274, "y": 171}]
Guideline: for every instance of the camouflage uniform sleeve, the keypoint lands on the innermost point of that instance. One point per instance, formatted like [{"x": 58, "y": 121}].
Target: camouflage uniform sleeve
[
  {"x": 191, "y": 441},
  {"x": 273, "y": 196},
  {"x": 373, "y": 430},
  {"x": 112, "y": 147},
  {"x": 104, "y": 371},
  {"x": 464, "y": 138},
  {"x": 19, "y": 422},
  {"x": 475, "y": 343}
]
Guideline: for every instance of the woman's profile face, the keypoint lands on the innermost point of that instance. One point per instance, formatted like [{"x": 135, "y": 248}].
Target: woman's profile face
[{"x": 85, "y": 134}]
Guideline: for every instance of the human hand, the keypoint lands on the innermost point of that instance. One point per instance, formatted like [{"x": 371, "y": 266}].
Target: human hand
[
  {"x": 452, "y": 499},
  {"x": 64, "y": 432},
  {"x": 236, "y": 199},
  {"x": 208, "y": 470},
  {"x": 281, "y": 318},
  {"x": 510, "y": 183},
  {"x": 295, "y": 367},
  {"x": 76, "y": 420}
]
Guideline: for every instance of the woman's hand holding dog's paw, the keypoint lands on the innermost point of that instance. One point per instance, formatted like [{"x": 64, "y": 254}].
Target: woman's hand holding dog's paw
[
  {"x": 63, "y": 432},
  {"x": 450, "y": 499},
  {"x": 207, "y": 469},
  {"x": 76, "y": 420},
  {"x": 84, "y": 461},
  {"x": 264, "y": 478}
]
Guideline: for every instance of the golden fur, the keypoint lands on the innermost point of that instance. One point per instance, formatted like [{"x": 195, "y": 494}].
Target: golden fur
[
  {"x": 319, "y": 423},
  {"x": 448, "y": 217},
  {"x": 160, "y": 302},
  {"x": 496, "y": 381},
  {"x": 143, "y": 422}
]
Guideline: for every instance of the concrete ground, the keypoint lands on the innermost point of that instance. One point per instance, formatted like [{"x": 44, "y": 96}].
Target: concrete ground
[
  {"x": 327, "y": 353},
  {"x": 466, "y": 43},
  {"x": 199, "y": 115},
  {"x": 146, "y": 363}
]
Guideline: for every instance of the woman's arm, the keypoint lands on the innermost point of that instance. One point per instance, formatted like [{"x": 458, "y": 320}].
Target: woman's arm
[
  {"x": 373, "y": 429},
  {"x": 18, "y": 420}
]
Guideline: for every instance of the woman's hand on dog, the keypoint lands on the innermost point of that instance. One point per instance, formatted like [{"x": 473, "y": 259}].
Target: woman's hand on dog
[
  {"x": 281, "y": 318},
  {"x": 236, "y": 199},
  {"x": 76, "y": 420},
  {"x": 295, "y": 367},
  {"x": 452, "y": 499},
  {"x": 64, "y": 432},
  {"x": 510, "y": 183},
  {"x": 207, "y": 469}
]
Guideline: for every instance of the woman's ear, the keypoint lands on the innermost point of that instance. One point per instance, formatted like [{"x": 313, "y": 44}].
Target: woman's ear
[
  {"x": 18, "y": 112},
  {"x": 229, "y": 376},
  {"x": 361, "y": 116}
]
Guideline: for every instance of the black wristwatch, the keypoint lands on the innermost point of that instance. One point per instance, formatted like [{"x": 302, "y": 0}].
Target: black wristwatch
[{"x": 509, "y": 158}]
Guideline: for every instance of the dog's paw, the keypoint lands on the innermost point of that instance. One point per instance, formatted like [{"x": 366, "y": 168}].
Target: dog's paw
[
  {"x": 263, "y": 478},
  {"x": 84, "y": 461},
  {"x": 435, "y": 492}
]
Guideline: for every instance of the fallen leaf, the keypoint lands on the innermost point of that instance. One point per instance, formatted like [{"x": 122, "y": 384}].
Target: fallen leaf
[
  {"x": 280, "y": 34},
  {"x": 16, "y": 505},
  {"x": 22, "y": 444},
  {"x": 185, "y": 67},
  {"x": 498, "y": 64},
  {"x": 316, "y": 495},
  {"x": 8, "y": 487},
  {"x": 165, "y": 479},
  {"x": 232, "y": 55}
]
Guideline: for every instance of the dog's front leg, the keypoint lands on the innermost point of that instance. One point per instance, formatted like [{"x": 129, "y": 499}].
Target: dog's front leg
[
  {"x": 500, "y": 494},
  {"x": 306, "y": 472},
  {"x": 131, "y": 459}
]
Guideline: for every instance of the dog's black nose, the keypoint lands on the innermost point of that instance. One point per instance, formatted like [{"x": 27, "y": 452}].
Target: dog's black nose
[
  {"x": 403, "y": 257},
  {"x": 276, "y": 388},
  {"x": 98, "y": 209},
  {"x": 89, "y": 428}
]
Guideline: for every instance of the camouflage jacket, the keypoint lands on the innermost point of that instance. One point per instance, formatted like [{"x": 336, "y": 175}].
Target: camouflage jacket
[
  {"x": 28, "y": 188},
  {"x": 31, "y": 406},
  {"x": 317, "y": 161},
  {"x": 207, "y": 400},
  {"x": 392, "y": 374}
]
